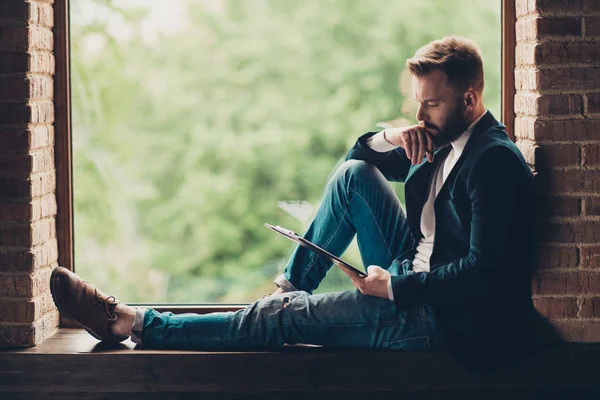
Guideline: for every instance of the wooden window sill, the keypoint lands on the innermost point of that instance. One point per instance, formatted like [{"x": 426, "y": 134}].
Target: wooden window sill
[{"x": 72, "y": 361}]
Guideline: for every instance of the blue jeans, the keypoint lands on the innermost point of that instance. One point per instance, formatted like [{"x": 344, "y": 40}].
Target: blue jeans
[{"x": 357, "y": 201}]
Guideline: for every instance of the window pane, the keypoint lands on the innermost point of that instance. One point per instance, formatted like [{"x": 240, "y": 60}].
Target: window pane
[{"x": 194, "y": 122}]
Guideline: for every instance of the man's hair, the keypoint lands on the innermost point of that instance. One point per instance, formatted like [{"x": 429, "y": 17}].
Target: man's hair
[{"x": 458, "y": 57}]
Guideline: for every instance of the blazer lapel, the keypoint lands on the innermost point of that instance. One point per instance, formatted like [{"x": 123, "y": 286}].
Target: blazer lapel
[{"x": 486, "y": 122}]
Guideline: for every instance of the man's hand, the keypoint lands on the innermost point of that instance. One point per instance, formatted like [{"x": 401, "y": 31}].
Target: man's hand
[
  {"x": 416, "y": 141},
  {"x": 376, "y": 282}
]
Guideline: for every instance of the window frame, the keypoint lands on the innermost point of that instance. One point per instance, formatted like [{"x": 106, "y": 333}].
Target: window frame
[{"x": 63, "y": 132}]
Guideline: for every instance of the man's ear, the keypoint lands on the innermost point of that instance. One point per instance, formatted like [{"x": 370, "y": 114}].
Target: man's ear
[{"x": 470, "y": 98}]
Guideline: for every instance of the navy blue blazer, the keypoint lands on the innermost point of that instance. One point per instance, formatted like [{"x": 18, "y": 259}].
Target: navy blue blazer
[{"x": 479, "y": 282}]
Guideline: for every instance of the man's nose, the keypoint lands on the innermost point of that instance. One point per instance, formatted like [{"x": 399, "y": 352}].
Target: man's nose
[{"x": 420, "y": 114}]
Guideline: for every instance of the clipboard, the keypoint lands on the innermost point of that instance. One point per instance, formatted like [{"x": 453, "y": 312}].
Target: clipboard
[{"x": 347, "y": 268}]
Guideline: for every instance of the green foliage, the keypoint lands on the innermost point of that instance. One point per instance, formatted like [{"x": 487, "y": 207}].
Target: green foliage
[{"x": 184, "y": 145}]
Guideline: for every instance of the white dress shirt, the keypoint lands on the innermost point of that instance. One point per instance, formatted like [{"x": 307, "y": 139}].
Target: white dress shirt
[{"x": 378, "y": 143}]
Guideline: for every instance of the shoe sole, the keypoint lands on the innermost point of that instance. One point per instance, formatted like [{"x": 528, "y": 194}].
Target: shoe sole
[{"x": 60, "y": 310}]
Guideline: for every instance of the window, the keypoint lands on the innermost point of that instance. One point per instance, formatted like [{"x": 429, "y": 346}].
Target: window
[{"x": 193, "y": 121}]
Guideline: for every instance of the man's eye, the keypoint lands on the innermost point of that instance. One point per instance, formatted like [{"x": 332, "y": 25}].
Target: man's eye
[{"x": 433, "y": 104}]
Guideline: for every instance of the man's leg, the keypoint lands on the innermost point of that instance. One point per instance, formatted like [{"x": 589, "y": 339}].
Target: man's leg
[
  {"x": 357, "y": 200},
  {"x": 345, "y": 319}
]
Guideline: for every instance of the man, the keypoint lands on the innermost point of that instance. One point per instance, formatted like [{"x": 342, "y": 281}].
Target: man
[{"x": 453, "y": 272}]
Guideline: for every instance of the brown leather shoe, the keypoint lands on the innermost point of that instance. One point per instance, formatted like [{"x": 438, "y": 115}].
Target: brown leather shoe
[{"x": 82, "y": 303}]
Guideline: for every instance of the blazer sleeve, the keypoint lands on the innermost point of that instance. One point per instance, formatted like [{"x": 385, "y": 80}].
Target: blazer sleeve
[
  {"x": 494, "y": 187},
  {"x": 394, "y": 165}
]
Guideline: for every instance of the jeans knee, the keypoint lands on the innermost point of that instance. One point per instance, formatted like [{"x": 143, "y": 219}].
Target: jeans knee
[{"x": 353, "y": 169}]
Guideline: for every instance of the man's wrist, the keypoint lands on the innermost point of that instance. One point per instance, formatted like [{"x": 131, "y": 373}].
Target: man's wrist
[
  {"x": 385, "y": 137},
  {"x": 390, "y": 292}
]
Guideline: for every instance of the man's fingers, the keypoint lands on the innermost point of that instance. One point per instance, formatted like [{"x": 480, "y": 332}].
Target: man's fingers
[
  {"x": 406, "y": 139},
  {"x": 430, "y": 147},
  {"x": 422, "y": 145},
  {"x": 415, "y": 146}
]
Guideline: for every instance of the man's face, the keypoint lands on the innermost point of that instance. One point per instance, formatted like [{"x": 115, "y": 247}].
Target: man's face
[{"x": 440, "y": 108}]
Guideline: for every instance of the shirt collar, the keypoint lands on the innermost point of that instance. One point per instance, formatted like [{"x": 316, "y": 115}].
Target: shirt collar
[{"x": 459, "y": 144}]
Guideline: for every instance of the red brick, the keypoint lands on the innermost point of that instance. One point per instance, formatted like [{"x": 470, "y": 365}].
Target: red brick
[
  {"x": 521, "y": 8},
  {"x": 592, "y": 26},
  {"x": 16, "y": 335},
  {"x": 14, "y": 89},
  {"x": 592, "y": 206},
  {"x": 29, "y": 334},
  {"x": 591, "y": 5},
  {"x": 29, "y": 261},
  {"x": 526, "y": 79},
  {"x": 42, "y": 160},
  {"x": 21, "y": 141},
  {"x": 566, "y": 182},
  {"x": 42, "y": 62},
  {"x": 12, "y": 188},
  {"x": 42, "y": 184},
  {"x": 16, "y": 310},
  {"x": 571, "y": 232},
  {"x": 14, "y": 141},
  {"x": 565, "y": 104},
  {"x": 41, "y": 38},
  {"x": 41, "y": 14},
  {"x": 525, "y": 128},
  {"x": 22, "y": 113},
  {"x": 575, "y": 331},
  {"x": 528, "y": 150},
  {"x": 534, "y": 105},
  {"x": 590, "y": 307},
  {"x": 593, "y": 102},
  {"x": 13, "y": 10},
  {"x": 553, "y": 53},
  {"x": 538, "y": 28},
  {"x": 15, "y": 235},
  {"x": 556, "y": 257},
  {"x": 577, "y": 129},
  {"x": 575, "y": 78},
  {"x": 41, "y": 136},
  {"x": 549, "y": 155},
  {"x": 25, "y": 285},
  {"x": 43, "y": 207},
  {"x": 15, "y": 212},
  {"x": 561, "y": 26},
  {"x": 15, "y": 164},
  {"x": 13, "y": 62},
  {"x": 42, "y": 231},
  {"x": 556, "y": 308},
  {"x": 17, "y": 261},
  {"x": 558, "y": 6},
  {"x": 42, "y": 112},
  {"x": 14, "y": 37},
  {"x": 15, "y": 114},
  {"x": 556, "y": 284},
  {"x": 566, "y": 283},
  {"x": 22, "y": 311},
  {"x": 590, "y": 257},
  {"x": 563, "y": 206}
]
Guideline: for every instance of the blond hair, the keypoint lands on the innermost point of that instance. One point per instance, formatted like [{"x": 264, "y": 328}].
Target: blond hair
[{"x": 458, "y": 57}]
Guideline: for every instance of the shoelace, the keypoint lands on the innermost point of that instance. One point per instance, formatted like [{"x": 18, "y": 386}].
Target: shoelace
[{"x": 110, "y": 305}]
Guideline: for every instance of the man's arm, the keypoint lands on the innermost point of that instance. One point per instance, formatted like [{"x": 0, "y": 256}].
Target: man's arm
[
  {"x": 390, "y": 159},
  {"x": 493, "y": 187}
]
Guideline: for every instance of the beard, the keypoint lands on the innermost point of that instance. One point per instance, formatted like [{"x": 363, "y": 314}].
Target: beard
[{"x": 453, "y": 127}]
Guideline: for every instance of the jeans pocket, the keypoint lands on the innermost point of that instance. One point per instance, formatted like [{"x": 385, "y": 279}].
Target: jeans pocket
[{"x": 413, "y": 344}]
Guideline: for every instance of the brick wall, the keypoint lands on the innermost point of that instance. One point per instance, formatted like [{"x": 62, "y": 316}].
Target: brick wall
[
  {"x": 28, "y": 248},
  {"x": 557, "y": 105}
]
